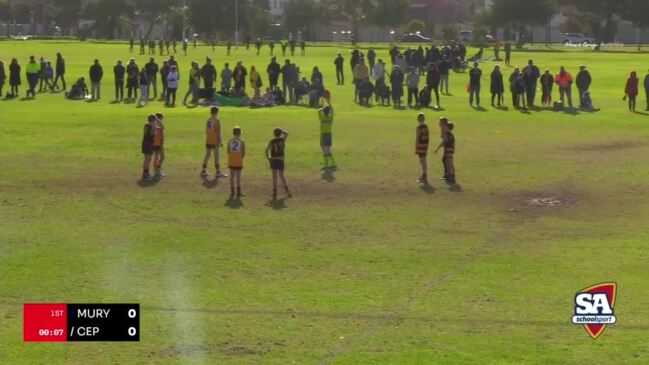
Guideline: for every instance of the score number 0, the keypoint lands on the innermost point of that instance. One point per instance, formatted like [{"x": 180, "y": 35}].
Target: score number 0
[{"x": 132, "y": 313}]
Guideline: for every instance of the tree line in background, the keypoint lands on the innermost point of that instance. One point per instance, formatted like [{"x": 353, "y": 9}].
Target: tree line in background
[
  {"x": 205, "y": 17},
  {"x": 597, "y": 18}
]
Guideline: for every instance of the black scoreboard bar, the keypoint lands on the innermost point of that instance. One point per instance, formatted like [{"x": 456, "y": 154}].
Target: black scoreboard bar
[{"x": 81, "y": 322}]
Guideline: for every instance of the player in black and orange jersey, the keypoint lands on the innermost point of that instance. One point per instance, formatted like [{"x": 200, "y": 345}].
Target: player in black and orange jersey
[
  {"x": 213, "y": 142},
  {"x": 443, "y": 122},
  {"x": 236, "y": 153},
  {"x": 448, "y": 142},
  {"x": 422, "y": 136},
  {"x": 147, "y": 145},
  {"x": 275, "y": 154},
  {"x": 158, "y": 145}
]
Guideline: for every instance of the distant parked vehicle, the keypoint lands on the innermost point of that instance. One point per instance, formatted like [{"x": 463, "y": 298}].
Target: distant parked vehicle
[
  {"x": 576, "y": 38},
  {"x": 467, "y": 36},
  {"x": 414, "y": 38}
]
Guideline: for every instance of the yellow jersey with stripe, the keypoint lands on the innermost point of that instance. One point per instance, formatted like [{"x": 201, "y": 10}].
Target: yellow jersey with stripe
[
  {"x": 212, "y": 132},
  {"x": 236, "y": 148}
]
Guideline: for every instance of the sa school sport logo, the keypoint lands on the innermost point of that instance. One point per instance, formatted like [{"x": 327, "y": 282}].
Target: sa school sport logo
[{"x": 594, "y": 308}]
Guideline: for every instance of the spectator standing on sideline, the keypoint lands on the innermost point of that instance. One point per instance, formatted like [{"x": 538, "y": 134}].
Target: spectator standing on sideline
[
  {"x": 185, "y": 45},
  {"x": 239, "y": 75},
  {"x": 208, "y": 73},
  {"x": 132, "y": 72},
  {"x": 273, "y": 71},
  {"x": 303, "y": 47},
  {"x": 583, "y": 81},
  {"x": 172, "y": 85},
  {"x": 131, "y": 44},
  {"x": 631, "y": 90},
  {"x": 144, "y": 86},
  {"x": 396, "y": 82},
  {"x": 271, "y": 46},
  {"x": 444, "y": 68},
  {"x": 119, "y": 71},
  {"x": 226, "y": 78},
  {"x": 258, "y": 45},
  {"x": 412, "y": 80},
  {"x": 3, "y": 76},
  {"x": 42, "y": 76},
  {"x": 646, "y": 89},
  {"x": 433, "y": 78},
  {"x": 531, "y": 75},
  {"x": 14, "y": 77},
  {"x": 152, "y": 77},
  {"x": 255, "y": 82},
  {"x": 291, "y": 45},
  {"x": 142, "y": 46},
  {"x": 361, "y": 73},
  {"x": 546, "y": 88},
  {"x": 340, "y": 76},
  {"x": 33, "y": 71},
  {"x": 164, "y": 71},
  {"x": 508, "y": 53},
  {"x": 497, "y": 86},
  {"x": 474, "y": 84},
  {"x": 564, "y": 80},
  {"x": 96, "y": 74},
  {"x": 194, "y": 84},
  {"x": 371, "y": 57},
  {"x": 286, "y": 80},
  {"x": 229, "y": 47},
  {"x": 60, "y": 72}
]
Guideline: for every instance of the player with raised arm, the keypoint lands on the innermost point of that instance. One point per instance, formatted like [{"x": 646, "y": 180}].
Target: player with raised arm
[
  {"x": 158, "y": 145},
  {"x": 236, "y": 153},
  {"x": 147, "y": 145},
  {"x": 212, "y": 143},
  {"x": 422, "y": 136},
  {"x": 275, "y": 154},
  {"x": 326, "y": 115}
]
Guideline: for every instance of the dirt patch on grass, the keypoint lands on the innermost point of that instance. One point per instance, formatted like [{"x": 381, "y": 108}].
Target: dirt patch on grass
[
  {"x": 240, "y": 351},
  {"x": 608, "y": 146},
  {"x": 545, "y": 200}
]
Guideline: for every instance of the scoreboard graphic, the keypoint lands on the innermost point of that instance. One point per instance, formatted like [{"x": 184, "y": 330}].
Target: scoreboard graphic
[{"x": 45, "y": 322}]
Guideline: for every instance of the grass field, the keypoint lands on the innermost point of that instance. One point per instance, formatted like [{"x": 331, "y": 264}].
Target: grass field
[{"x": 361, "y": 266}]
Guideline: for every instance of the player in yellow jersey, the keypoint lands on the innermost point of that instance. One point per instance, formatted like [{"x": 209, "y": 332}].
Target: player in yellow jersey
[
  {"x": 236, "y": 153},
  {"x": 213, "y": 142},
  {"x": 158, "y": 145}
]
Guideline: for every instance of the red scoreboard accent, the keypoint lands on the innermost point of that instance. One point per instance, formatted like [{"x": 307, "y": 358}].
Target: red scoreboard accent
[{"x": 45, "y": 322}]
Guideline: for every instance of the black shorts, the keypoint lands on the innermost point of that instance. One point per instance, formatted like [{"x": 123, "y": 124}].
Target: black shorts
[
  {"x": 157, "y": 148},
  {"x": 147, "y": 148},
  {"x": 326, "y": 140},
  {"x": 421, "y": 154},
  {"x": 277, "y": 164},
  {"x": 236, "y": 168},
  {"x": 210, "y": 146}
]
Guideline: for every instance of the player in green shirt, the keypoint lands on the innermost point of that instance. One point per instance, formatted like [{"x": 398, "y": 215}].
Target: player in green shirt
[{"x": 326, "y": 115}]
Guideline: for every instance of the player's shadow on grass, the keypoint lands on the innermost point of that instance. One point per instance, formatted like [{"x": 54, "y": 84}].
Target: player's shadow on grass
[
  {"x": 234, "y": 203},
  {"x": 26, "y": 98},
  {"x": 210, "y": 183},
  {"x": 479, "y": 108},
  {"x": 328, "y": 174},
  {"x": 427, "y": 188},
  {"x": 502, "y": 108},
  {"x": 399, "y": 107},
  {"x": 641, "y": 113},
  {"x": 277, "y": 204},
  {"x": 147, "y": 183},
  {"x": 455, "y": 188}
]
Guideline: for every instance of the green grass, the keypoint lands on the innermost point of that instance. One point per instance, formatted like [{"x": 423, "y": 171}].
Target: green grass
[{"x": 364, "y": 269}]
